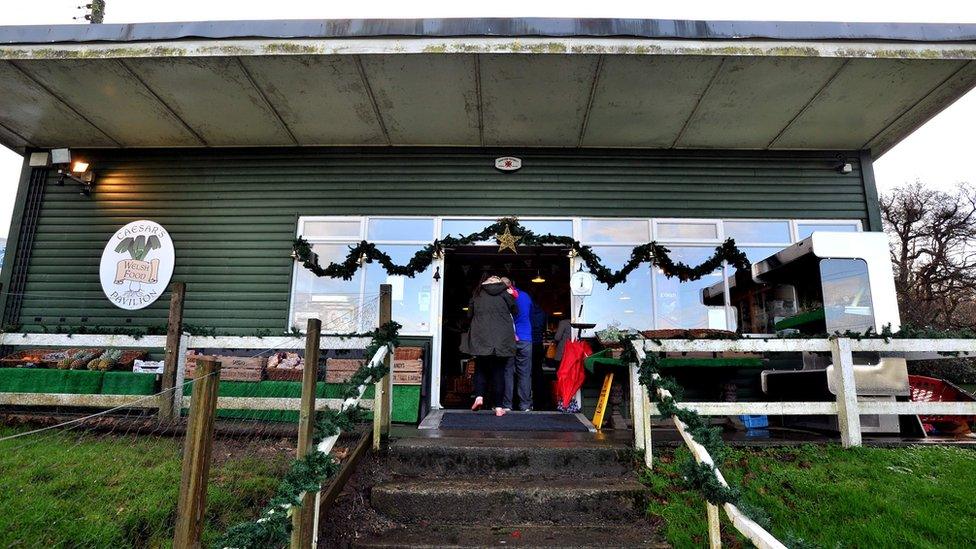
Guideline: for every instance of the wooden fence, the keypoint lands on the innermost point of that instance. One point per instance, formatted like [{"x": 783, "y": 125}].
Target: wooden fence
[{"x": 847, "y": 407}]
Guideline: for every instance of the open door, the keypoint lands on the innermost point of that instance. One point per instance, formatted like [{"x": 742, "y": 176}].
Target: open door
[{"x": 542, "y": 272}]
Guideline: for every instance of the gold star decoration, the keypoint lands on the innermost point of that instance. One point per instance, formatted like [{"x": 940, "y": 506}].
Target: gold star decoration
[{"x": 507, "y": 240}]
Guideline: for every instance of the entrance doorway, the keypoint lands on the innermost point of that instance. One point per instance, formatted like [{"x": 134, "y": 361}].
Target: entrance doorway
[{"x": 543, "y": 272}]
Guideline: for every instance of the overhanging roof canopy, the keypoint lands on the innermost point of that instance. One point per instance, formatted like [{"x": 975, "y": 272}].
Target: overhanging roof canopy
[{"x": 480, "y": 82}]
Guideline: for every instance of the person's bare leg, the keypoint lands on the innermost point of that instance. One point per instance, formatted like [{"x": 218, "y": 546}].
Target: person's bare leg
[{"x": 478, "y": 403}]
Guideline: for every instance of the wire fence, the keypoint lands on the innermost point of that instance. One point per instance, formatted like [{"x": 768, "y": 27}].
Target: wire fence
[{"x": 73, "y": 477}]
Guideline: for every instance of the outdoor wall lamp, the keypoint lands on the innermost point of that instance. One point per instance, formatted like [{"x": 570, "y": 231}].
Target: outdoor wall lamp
[{"x": 77, "y": 170}]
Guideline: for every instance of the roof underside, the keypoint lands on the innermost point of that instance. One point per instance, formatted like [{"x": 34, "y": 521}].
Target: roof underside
[{"x": 587, "y": 83}]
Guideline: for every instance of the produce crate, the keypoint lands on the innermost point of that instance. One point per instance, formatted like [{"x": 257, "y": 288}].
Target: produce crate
[
  {"x": 232, "y": 368},
  {"x": 407, "y": 378},
  {"x": 41, "y": 357},
  {"x": 408, "y": 353},
  {"x": 284, "y": 374},
  {"x": 408, "y": 365}
]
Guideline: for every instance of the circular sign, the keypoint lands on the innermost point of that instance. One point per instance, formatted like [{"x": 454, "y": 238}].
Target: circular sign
[{"x": 137, "y": 264}]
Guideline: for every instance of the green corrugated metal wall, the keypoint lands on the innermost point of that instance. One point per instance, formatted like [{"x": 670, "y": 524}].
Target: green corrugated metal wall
[{"x": 232, "y": 214}]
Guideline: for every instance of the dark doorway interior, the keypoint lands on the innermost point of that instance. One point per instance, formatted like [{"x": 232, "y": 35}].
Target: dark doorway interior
[{"x": 464, "y": 268}]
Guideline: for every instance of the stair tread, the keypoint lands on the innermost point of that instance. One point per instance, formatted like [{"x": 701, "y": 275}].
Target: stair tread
[
  {"x": 502, "y": 484},
  {"x": 538, "y": 536}
]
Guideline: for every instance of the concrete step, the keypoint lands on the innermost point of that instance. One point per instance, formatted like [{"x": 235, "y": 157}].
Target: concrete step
[
  {"x": 458, "y": 537},
  {"x": 522, "y": 457},
  {"x": 513, "y": 501}
]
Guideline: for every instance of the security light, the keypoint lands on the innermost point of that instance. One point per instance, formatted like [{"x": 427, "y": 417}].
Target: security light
[{"x": 76, "y": 170}]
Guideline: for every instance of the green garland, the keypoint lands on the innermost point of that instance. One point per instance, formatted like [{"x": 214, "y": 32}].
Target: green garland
[
  {"x": 699, "y": 476},
  {"x": 310, "y": 472},
  {"x": 652, "y": 252}
]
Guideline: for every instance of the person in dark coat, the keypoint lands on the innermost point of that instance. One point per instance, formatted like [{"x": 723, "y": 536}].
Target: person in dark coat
[{"x": 491, "y": 339}]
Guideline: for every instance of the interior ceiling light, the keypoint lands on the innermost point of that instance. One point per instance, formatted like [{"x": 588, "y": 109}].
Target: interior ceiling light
[
  {"x": 557, "y": 313},
  {"x": 538, "y": 277}
]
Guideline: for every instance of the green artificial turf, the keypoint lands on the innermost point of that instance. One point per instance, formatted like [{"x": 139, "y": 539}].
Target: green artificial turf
[
  {"x": 826, "y": 496},
  {"x": 71, "y": 489}
]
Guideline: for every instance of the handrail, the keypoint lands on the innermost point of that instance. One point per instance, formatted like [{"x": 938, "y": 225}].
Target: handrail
[
  {"x": 325, "y": 445},
  {"x": 746, "y": 526}
]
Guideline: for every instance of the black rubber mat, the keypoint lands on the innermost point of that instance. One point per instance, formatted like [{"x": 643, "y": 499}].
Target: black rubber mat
[{"x": 512, "y": 421}]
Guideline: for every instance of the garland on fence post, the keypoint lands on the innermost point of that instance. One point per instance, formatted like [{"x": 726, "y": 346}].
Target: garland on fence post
[
  {"x": 309, "y": 472},
  {"x": 652, "y": 252}
]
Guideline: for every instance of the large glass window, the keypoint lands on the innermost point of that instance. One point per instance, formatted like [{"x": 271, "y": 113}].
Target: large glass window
[
  {"x": 411, "y": 296},
  {"x": 386, "y": 229},
  {"x": 687, "y": 231},
  {"x": 758, "y": 232},
  {"x": 679, "y": 304},
  {"x": 606, "y": 231},
  {"x": 627, "y": 304},
  {"x": 336, "y": 302}
]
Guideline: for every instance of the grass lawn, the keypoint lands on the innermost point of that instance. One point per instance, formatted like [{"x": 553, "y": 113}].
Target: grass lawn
[
  {"x": 825, "y": 496},
  {"x": 69, "y": 489}
]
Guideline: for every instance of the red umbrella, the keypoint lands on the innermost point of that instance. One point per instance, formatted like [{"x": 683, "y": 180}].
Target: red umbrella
[{"x": 569, "y": 377}]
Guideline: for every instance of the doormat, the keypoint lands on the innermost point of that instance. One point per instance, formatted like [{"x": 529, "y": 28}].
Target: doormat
[{"x": 512, "y": 421}]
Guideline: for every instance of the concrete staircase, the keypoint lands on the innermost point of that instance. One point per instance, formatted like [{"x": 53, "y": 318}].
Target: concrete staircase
[{"x": 510, "y": 490}]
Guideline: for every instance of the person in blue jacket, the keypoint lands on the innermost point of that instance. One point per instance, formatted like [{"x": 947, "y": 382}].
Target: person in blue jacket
[{"x": 518, "y": 370}]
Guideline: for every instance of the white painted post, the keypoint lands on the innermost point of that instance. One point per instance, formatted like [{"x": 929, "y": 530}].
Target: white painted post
[
  {"x": 646, "y": 427},
  {"x": 714, "y": 527},
  {"x": 637, "y": 408},
  {"x": 177, "y": 395},
  {"x": 848, "y": 415}
]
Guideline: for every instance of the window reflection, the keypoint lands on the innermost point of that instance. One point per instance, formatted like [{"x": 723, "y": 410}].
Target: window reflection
[
  {"x": 559, "y": 227},
  {"x": 333, "y": 229},
  {"x": 615, "y": 230},
  {"x": 401, "y": 229},
  {"x": 804, "y": 231},
  {"x": 334, "y": 301},
  {"x": 847, "y": 295},
  {"x": 758, "y": 231},
  {"x": 679, "y": 304},
  {"x": 629, "y": 303},
  {"x": 687, "y": 231},
  {"x": 463, "y": 227},
  {"x": 411, "y": 296}
]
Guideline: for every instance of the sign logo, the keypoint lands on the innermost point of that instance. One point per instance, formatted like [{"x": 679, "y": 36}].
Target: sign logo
[
  {"x": 137, "y": 263},
  {"x": 508, "y": 163}
]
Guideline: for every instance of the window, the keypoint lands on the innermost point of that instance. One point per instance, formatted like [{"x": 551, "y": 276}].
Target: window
[
  {"x": 758, "y": 232},
  {"x": 847, "y": 295},
  {"x": 336, "y": 302},
  {"x": 627, "y": 304},
  {"x": 353, "y": 305},
  {"x": 679, "y": 304},
  {"x": 614, "y": 231},
  {"x": 463, "y": 227},
  {"x": 803, "y": 230},
  {"x": 387, "y": 229},
  {"x": 686, "y": 230}
]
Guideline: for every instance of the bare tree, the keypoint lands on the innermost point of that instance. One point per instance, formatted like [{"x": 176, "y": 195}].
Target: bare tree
[{"x": 933, "y": 249}]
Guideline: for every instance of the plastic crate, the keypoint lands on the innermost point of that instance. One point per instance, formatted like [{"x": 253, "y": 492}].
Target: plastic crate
[
  {"x": 930, "y": 389},
  {"x": 755, "y": 422}
]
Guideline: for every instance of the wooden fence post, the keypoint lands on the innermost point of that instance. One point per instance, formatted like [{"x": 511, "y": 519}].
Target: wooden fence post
[
  {"x": 168, "y": 409},
  {"x": 197, "y": 448},
  {"x": 383, "y": 389},
  {"x": 848, "y": 416},
  {"x": 303, "y": 517},
  {"x": 386, "y": 315}
]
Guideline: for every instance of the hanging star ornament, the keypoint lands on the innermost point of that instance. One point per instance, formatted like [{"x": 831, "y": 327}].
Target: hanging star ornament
[{"x": 507, "y": 240}]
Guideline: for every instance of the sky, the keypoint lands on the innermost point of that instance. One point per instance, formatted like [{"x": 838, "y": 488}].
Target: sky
[{"x": 939, "y": 153}]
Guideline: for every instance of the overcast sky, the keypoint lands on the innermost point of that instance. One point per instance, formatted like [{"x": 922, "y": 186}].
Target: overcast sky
[{"x": 940, "y": 153}]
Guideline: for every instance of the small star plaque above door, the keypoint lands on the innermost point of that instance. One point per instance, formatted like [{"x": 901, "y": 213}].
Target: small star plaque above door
[{"x": 507, "y": 240}]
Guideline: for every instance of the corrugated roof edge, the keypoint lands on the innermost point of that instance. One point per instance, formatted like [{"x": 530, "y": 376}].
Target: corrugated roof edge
[{"x": 490, "y": 27}]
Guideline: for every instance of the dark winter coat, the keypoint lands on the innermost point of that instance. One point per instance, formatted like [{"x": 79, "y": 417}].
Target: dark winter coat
[{"x": 492, "y": 331}]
